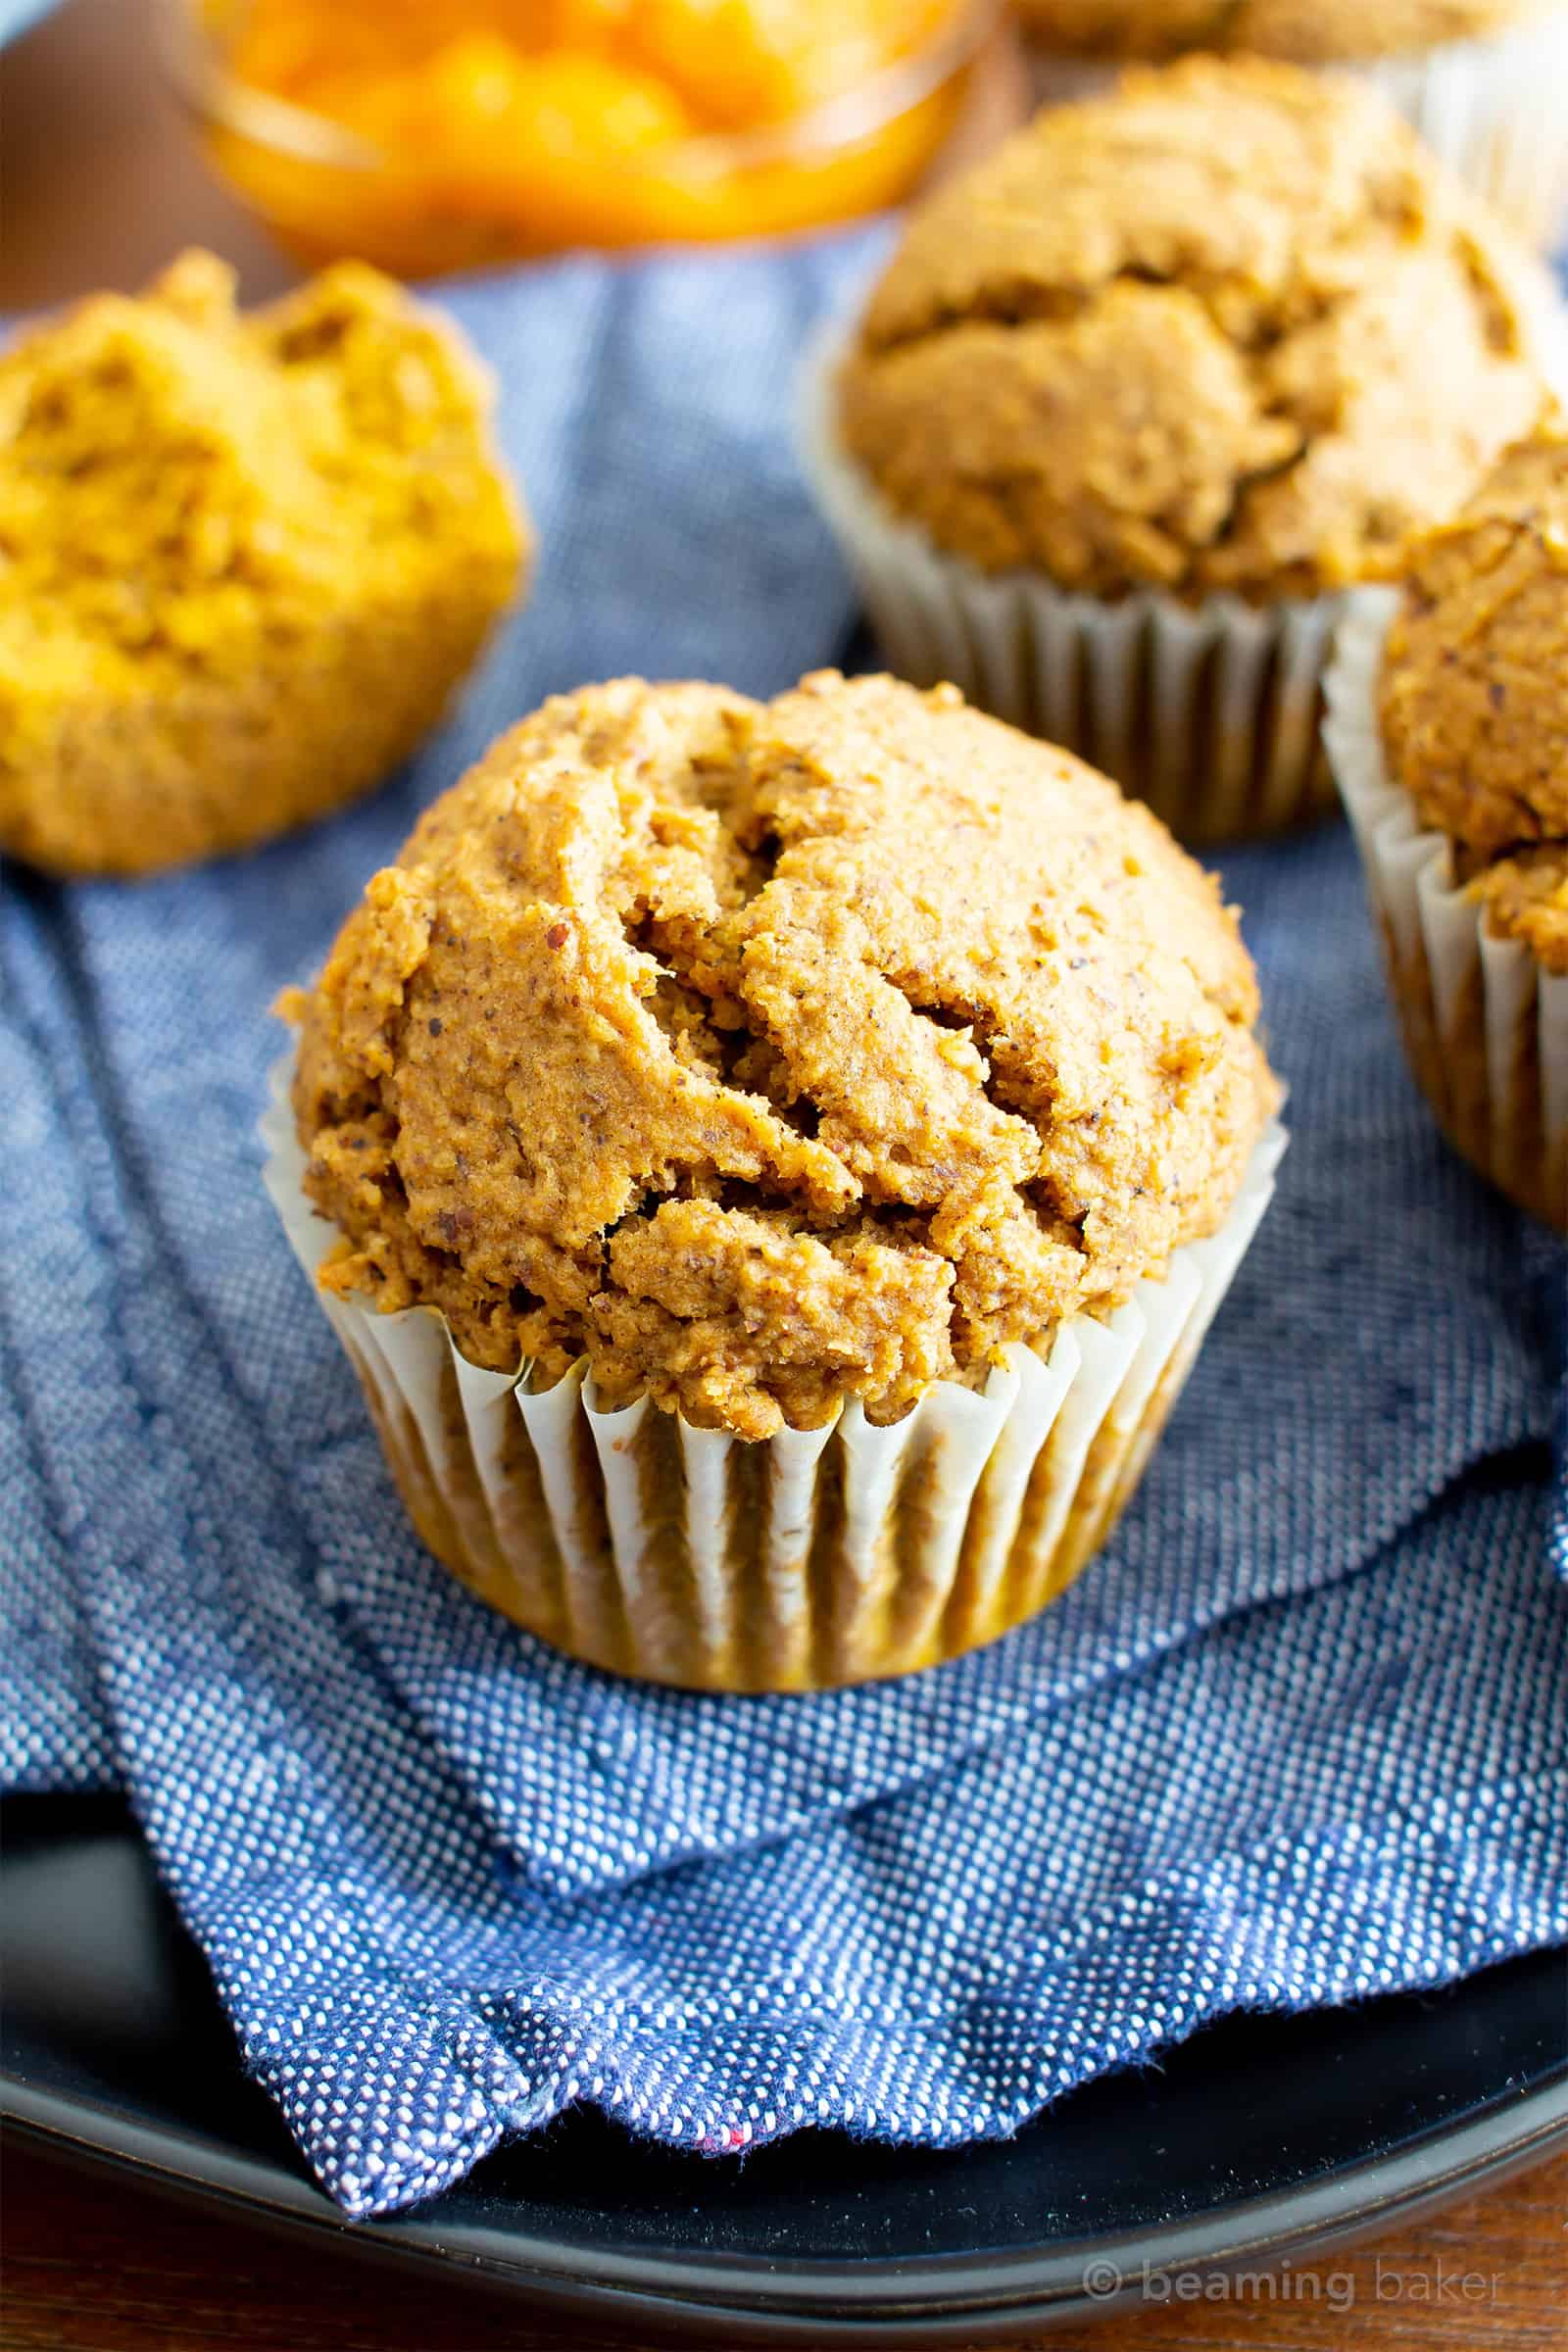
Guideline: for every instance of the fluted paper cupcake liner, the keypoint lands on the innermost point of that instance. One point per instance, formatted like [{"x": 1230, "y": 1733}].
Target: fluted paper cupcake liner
[
  {"x": 802, "y": 1561},
  {"x": 1494, "y": 109},
  {"x": 1484, "y": 1025},
  {"x": 1209, "y": 713}
]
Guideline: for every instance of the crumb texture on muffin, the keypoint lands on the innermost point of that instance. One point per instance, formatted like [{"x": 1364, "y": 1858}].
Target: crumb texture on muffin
[
  {"x": 1226, "y": 327},
  {"x": 1526, "y": 898},
  {"x": 245, "y": 559},
  {"x": 770, "y": 1056},
  {"x": 1309, "y": 32},
  {"x": 1474, "y": 696}
]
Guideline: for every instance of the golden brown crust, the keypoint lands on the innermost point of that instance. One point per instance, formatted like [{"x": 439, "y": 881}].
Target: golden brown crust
[
  {"x": 246, "y": 559},
  {"x": 1474, "y": 703},
  {"x": 1227, "y": 328},
  {"x": 1307, "y": 32},
  {"x": 1526, "y": 898},
  {"x": 773, "y": 1056}
]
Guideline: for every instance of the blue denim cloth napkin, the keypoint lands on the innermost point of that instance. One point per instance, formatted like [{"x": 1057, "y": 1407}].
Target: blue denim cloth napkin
[{"x": 1301, "y": 1732}]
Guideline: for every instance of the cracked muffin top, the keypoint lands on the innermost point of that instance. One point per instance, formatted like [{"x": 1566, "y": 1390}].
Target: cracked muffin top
[
  {"x": 1229, "y": 326},
  {"x": 1474, "y": 702},
  {"x": 769, "y": 1055},
  {"x": 1311, "y": 32}
]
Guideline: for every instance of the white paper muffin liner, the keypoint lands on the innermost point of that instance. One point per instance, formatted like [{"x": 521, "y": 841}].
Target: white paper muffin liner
[
  {"x": 1484, "y": 1026},
  {"x": 813, "y": 1558},
  {"x": 1494, "y": 109},
  {"x": 1210, "y": 712}
]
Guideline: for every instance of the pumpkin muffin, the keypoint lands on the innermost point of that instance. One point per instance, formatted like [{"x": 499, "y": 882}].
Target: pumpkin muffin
[
  {"x": 1526, "y": 898},
  {"x": 1449, "y": 737},
  {"x": 246, "y": 558},
  {"x": 1304, "y": 32},
  {"x": 1140, "y": 399},
  {"x": 1480, "y": 79},
  {"x": 842, "y": 1111}
]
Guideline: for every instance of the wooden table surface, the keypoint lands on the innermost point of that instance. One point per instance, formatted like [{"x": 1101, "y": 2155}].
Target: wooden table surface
[
  {"x": 95, "y": 2266},
  {"x": 102, "y": 181}
]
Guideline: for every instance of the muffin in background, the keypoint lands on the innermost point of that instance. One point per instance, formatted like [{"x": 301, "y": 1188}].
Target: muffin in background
[
  {"x": 248, "y": 558},
  {"x": 1481, "y": 80},
  {"x": 822, "y": 1130},
  {"x": 1448, "y": 734},
  {"x": 1143, "y": 397}
]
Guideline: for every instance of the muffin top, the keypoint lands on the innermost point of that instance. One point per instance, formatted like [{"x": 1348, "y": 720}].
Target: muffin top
[
  {"x": 1526, "y": 898},
  {"x": 1311, "y": 33},
  {"x": 769, "y": 1055},
  {"x": 1229, "y": 326},
  {"x": 1474, "y": 701},
  {"x": 185, "y": 485}
]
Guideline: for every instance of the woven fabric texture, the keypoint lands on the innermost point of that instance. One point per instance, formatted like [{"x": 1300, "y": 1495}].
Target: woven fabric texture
[{"x": 1299, "y": 1735}]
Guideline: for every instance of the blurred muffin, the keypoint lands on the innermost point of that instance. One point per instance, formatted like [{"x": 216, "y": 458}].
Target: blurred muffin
[
  {"x": 1304, "y": 32},
  {"x": 247, "y": 560},
  {"x": 845, "y": 1113},
  {"x": 1481, "y": 80},
  {"x": 1140, "y": 398},
  {"x": 1449, "y": 732}
]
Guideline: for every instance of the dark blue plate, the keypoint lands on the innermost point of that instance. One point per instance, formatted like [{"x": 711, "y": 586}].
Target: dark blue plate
[{"x": 1260, "y": 2140}]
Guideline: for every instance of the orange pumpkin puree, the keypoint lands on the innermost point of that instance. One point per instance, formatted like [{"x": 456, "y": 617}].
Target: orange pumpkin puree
[{"x": 481, "y": 130}]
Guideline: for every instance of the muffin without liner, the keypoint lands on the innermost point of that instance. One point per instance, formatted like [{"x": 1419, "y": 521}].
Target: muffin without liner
[{"x": 247, "y": 560}]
